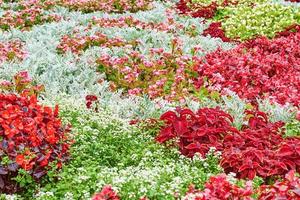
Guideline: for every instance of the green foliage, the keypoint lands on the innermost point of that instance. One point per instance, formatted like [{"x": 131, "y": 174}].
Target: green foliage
[
  {"x": 108, "y": 151},
  {"x": 246, "y": 22},
  {"x": 293, "y": 128}
]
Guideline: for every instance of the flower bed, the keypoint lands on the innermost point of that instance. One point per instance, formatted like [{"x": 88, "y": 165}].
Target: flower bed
[
  {"x": 32, "y": 137},
  {"x": 167, "y": 100},
  {"x": 261, "y": 67}
]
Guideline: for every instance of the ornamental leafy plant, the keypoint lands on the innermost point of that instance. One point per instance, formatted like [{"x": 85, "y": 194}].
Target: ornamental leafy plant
[
  {"x": 243, "y": 20},
  {"x": 169, "y": 25},
  {"x": 107, "y": 193},
  {"x": 12, "y": 50},
  {"x": 246, "y": 22},
  {"x": 288, "y": 188},
  {"x": 210, "y": 8},
  {"x": 215, "y": 30},
  {"x": 260, "y": 143},
  {"x": 263, "y": 148},
  {"x": 109, "y": 6},
  {"x": 77, "y": 44},
  {"x": 265, "y": 68},
  {"x": 163, "y": 74},
  {"x": 196, "y": 132},
  {"x": 222, "y": 187},
  {"x": 218, "y": 187},
  {"x": 22, "y": 84},
  {"x": 31, "y": 138},
  {"x": 108, "y": 151},
  {"x": 293, "y": 128},
  {"x": 26, "y": 15},
  {"x": 195, "y": 9}
]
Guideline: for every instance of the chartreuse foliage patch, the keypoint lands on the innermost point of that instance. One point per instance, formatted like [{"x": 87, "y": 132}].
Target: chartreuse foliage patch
[
  {"x": 108, "y": 151},
  {"x": 247, "y": 22}
]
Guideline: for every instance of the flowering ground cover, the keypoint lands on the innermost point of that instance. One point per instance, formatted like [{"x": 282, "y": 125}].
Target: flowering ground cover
[{"x": 149, "y": 100}]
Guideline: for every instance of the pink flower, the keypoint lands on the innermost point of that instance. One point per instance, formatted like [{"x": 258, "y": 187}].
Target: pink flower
[{"x": 107, "y": 193}]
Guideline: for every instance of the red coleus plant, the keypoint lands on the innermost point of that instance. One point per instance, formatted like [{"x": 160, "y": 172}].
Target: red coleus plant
[
  {"x": 215, "y": 30},
  {"x": 196, "y": 132},
  {"x": 258, "y": 68},
  {"x": 31, "y": 137},
  {"x": 258, "y": 149},
  {"x": 107, "y": 193}
]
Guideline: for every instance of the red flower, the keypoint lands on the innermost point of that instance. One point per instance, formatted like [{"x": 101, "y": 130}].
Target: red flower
[
  {"x": 259, "y": 68},
  {"x": 33, "y": 131},
  {"x": 218, "y": 188},
  {"x": 20, "y": 159},
  {"x": 107, "y": 193},
  {"x": 91, "y": 98},
  {"x": 289, "y": 188}
]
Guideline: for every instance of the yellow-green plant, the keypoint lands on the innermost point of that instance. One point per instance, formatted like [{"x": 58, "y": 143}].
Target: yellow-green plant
[{"x": 246, "y": 22}]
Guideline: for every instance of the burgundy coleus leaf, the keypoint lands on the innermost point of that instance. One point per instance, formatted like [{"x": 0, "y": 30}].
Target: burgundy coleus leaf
[
  {"x": 285, "y": 150},
  {"x": 194, "y": 146},
  {"x": 251, "y": 174},
  {"x": 289, "y": 163},
  {"x": 166, "y": 134},
  {"x": 185, "y": 113},
  {"x": 169, "y": 116},
  {"x": 282, "y": 165},
  {"x": 180, "y": 126}
]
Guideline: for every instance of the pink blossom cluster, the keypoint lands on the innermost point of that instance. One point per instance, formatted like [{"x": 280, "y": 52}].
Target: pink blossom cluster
[
  {"x": 28, "y": 14},
  {"x": 12, "y": 50},
  {"x": 77, "y": 43},
  {"x": 118, "y": 6},
  {"x": 169, "y": 25},
  {"x": 220, "y": 188},
  {"x": 107, "y": 193},
  {"x": 162, "y": 74},
  {"x": 258, "y": 68}
]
